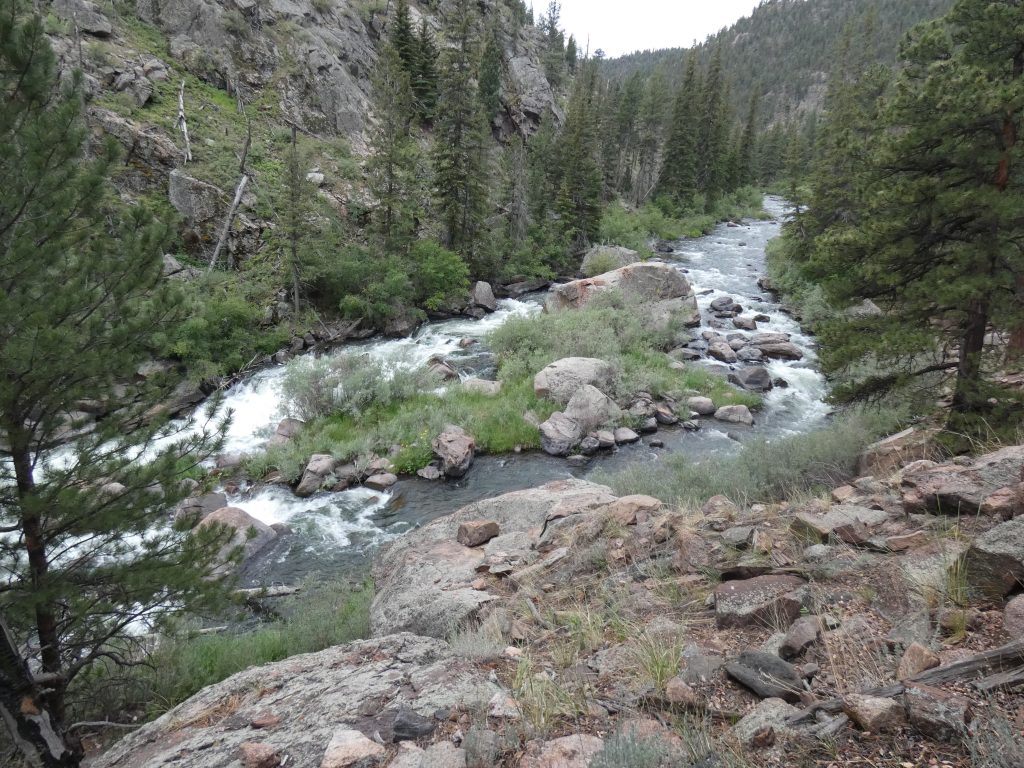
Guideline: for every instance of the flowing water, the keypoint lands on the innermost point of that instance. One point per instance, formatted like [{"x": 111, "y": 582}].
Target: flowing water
[{"x": 334, "y": 533}]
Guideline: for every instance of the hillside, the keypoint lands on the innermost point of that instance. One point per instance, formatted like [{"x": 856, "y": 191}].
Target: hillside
[{"x": 786, "y": 48}]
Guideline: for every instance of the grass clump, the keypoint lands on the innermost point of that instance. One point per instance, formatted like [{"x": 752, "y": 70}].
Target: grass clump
[
  {"x": 762, "y": 470},
  {"x": 185, "y": 661}
]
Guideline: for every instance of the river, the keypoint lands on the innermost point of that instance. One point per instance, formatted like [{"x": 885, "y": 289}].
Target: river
[{"x": 335, "y": 533}]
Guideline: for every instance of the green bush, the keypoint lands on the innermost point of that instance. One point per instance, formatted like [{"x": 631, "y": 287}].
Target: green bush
[
  {"x": 441, "y": 276},
  {"x": 349, "y": 385}
]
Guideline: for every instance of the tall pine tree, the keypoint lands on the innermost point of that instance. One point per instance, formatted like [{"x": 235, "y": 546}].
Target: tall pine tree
[
  {"x": 87, "y": 550},
  {"x": 678, "y": 178},
  {"x": 579, "y": 196},
  {"x": 461, "y": 135}
]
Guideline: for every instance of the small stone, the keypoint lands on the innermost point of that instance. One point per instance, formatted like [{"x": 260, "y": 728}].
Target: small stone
[
  {"x": 503, "y": 706},
  {"x": 265, "y": 720},
  {"x": 843, "y": 494},
  {"x": 430, "y": 472},
  {"x": 874, "y": 713},
  {"x": 349, "y": 748},
  {"x": 678, "y": 692},
  {"x": 738, "y": 537},
  {"x": 480, "y": 585},
  {"x": 936, "y": 714},
  {"x": 624, "y": 436},
  {"x": 917, "y": 659},
  {"x": 1013, "y": 617},
  {"x": 576, "y": 751},
  {"x": 804, "y": 633},
  {"x": 256, "y": 754},
  {"x": 907, "y": 541},
  {"x": 410, "y": 725},
  {"x": 768, "y": 717},
  {"x": 702, "y": 406},
  {"x": 474, "y": 533}
]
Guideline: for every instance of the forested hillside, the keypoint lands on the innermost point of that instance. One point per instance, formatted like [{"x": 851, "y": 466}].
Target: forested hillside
[{"x": 785, "y": 49}]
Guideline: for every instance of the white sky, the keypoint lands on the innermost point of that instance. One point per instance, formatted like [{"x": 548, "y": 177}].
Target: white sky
[{"x": 620, "y": 27}]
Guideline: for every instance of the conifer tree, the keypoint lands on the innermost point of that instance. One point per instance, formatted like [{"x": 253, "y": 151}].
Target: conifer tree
[
  {"x": 460, "y": 156},
  {"x": 571, "y": 55},
  {"x": 939, "y": 225},
  {"x": 87, "y": 550},
  {"x": 713, "y": 131},
  {"x": 424, "y": 78},
  {"x": 394, "y": 155},
  {"x": 747, "y": 148},
  {"x": 678, "y": 178},
  {"x": 489, "y": 81},
  {"x": 403, "y": 36},
  {"x": 579, "y": 196}
]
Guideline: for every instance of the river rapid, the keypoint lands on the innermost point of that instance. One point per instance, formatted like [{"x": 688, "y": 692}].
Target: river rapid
[{"x": 334, "y": 534}]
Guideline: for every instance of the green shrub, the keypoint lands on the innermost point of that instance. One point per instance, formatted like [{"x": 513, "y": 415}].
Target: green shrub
[
  {"x": 441, "y": 276},
  {"x": 349, "y": 384}
]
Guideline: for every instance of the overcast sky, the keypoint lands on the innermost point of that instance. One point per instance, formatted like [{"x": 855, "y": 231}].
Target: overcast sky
[{"x": 624, "y": 26}]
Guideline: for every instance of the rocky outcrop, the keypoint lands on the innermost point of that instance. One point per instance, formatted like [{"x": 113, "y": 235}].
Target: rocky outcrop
[
  {"x": 994, "y": 564},
  {"x": 992, "y": 484},
  {"x": 321, "y": 707},
  {"x": 424, "y": 580},
  {"x": 660, "y": 290},
  {"x": 559, "y": 381}
]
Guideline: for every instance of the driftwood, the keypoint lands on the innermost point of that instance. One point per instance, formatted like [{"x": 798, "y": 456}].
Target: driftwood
[
  {"x": 1001, "y": 667},
  {"x": 239, "y": 191},
  {"x": 182, "y": 123}
]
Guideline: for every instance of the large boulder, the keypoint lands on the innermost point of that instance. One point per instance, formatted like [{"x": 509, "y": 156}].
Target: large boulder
[
  {"x": 883, "y": 458},
  {"x": 991, "y": 484},
  {"x": 456, "y": 449},
  {"x": 424, "y": 579},
  {"x": 321, "y": 706},
  {"x": 735, "y": 414},
  {"x": 248, "y": 533},
  {"x": 85, "y": 15},
  {"x": 560, "y": 434},
  {"x": 319, "y": 467},
  {"x": 994, "y": 563},
  {"x": 197, "y": 202},
  {"x": 647, "y": 284},
  {"x": 483, "y": 297},
  {"x": 559, "y": 381},
  {"x": 591, "y": 408},
  {"x": 606, "y": 258},
  {"x": 755, "y": 379}
]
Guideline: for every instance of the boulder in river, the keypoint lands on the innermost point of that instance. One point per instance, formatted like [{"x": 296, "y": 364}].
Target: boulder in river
[
  {"x": 735, "y": 414},
  {"x": 702, "y": 406},
  {"x": 456, "y": 449},
  {"x": 318, "y": 468},
  {"x": 482, "y": 296},
  {"x": 559, "y": 381},
  {"x": 756, "y": 379},
  {"x": 591, "y": 408},
  {"x": 248, "y": 533},
  {"x": 785, "y": 350},
  {"x": 660, "y": 289},
  {"x": 559, "y": 434},
  {"x": 720, "y": 350}
]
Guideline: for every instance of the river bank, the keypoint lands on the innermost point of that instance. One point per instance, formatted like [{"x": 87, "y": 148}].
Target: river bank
[{"x": 336, "y": 532}]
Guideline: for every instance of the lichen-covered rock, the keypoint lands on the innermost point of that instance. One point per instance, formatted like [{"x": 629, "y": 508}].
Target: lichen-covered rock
[
  {"x": 603, "y": 258},
  {"x": 424, "y": 579},
  {"x": 994, "y": 563},
  {"x": 952, "y": 489},
  {"x": 591, "y": 408},
  {"x": 312, "y": 698},
  {"x": 559, "y": 381},
  {"x": 761, "y": 601},
  {"x": 560, "y": 434}
]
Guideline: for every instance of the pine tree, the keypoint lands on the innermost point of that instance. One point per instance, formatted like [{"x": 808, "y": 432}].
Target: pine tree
[
  {"x": 424, "y": 76},
  {"x": 579, "y": 196},
  {"x": 747, "y": 148},
  {"x": 460, "y": 156},
  {"x": 87, "y": 550},
  {"x": 403, "y": 37},
  {"x": 394, "y": 154},
  {"x": 678, "y": 179},
  {"x": 712, "y": 132},
  {"x": 940, "y": 222},
  {"x": 489, "y": 81},
  {"x": 571, "y": 55}
]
